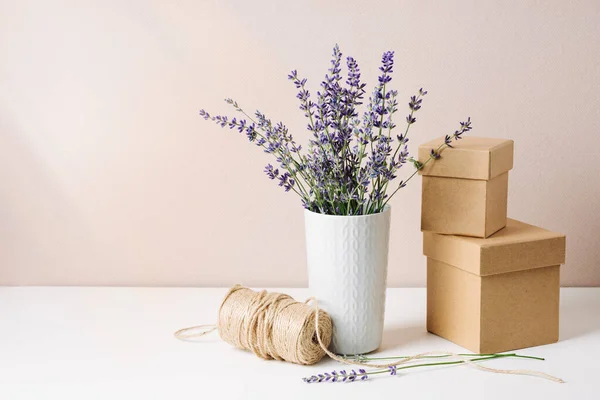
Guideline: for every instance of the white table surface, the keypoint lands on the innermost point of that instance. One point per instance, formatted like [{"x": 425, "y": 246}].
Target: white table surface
[{"x": 117, "y": 343}]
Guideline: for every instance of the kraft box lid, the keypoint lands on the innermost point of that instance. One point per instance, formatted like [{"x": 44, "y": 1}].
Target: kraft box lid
[
  {"x": 519, "y": 246},
  {"x": 469, "y": 158}
]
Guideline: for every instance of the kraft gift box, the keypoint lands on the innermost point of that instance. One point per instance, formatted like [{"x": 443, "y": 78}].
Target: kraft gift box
[
  {"x": 465, "y": 191},
  {"x": 496, "y": 294}
]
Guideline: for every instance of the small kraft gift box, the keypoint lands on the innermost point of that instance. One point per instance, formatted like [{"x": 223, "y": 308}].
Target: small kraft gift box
[
  {"x": 496, "y": 294},
  {"x": 465, "y": 191}
]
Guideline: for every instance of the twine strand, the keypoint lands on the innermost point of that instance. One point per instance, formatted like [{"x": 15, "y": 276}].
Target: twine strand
[
  {"x": 187, "y": 334},
  {"x": 421, "y": 355},
  {"x": 275, "y": 326},
  {"x": 510, "y": 371}
]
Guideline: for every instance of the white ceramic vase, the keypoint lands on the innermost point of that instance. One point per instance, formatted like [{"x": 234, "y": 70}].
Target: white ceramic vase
[{"x": 347, "y": 260}]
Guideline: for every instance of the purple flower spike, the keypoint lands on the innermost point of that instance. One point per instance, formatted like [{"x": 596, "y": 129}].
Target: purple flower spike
[
  {"x": 363, "y": 374},
  {"x": 311, "y": 379},
  {"x": 415, "y": 103},
  {"x": 387, "y": 61},
  {"x": 393, "y": 369},
  {"x": 204, "y": 114},
  {"x": 283, "y": 179},
  {"x": 344, "y": 375},
  {"x": 271, "y": 172},
  {"x": 352, "y": 376}
]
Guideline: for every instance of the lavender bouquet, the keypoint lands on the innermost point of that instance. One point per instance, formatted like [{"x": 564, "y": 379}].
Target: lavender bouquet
[{"x": 351, "y": 157}]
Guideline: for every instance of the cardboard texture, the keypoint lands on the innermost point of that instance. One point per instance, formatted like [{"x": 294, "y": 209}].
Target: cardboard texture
[
  {"x": 469, "y": 158},
  {"x": 465, "y": 192},
  {"x": 497, "y": 294},
  {"x": 464, "y": 206}
]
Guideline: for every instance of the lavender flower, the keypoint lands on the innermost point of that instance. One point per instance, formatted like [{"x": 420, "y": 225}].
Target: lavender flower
[
  {"x": 286, "y": 181},
  {"x": 335, "y": 376},
  {"x": 352, "y": 157},
  {"x": 363, "y": 374},
  {"x": 271, "y": 172}
]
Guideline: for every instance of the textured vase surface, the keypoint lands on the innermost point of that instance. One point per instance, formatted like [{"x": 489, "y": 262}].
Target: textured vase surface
[{"x": 347, "y": 260}]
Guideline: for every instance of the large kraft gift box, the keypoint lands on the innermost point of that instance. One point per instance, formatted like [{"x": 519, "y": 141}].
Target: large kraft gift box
[
  {"x": 496, "y": 294},
  {"x": 465, "y": 191}
]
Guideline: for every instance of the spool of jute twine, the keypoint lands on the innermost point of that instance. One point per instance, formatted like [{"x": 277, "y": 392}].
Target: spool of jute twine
[
  {"x": 275, "y": 326},
  {"x": 271, "y": 325}
]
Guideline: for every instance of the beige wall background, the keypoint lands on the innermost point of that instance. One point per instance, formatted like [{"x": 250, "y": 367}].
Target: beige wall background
[{"x": 108, "y": 176}]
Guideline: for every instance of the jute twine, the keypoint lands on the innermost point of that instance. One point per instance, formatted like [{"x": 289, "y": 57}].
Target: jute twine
[
  {"x": 271, "y": 325},
  {"x": 422, "y": 355},
  {"x": 275, "y": 326}
]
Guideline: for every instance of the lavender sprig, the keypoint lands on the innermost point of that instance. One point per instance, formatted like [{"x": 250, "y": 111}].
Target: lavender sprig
[
  {"x": 435, "y": 154},
  {"x": 341, "y": 376},
  {"x": 351, "y": 157},
  {"x": 392, "y": 370}
]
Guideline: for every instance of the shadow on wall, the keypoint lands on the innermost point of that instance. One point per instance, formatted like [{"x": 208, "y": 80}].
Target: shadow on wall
[
  {"x": 583, "y": 252},
  {"x": 572, "y": 307},
  {"x": 35, "y": 209}
]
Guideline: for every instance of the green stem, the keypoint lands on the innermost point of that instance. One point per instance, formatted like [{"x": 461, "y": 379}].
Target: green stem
[
  {"x": 414, "y": 173},
  {"x": 308, "y": 112},
  {"x": 530, "y": 357},
  {"x": 455, "y": 362},
  {"x": 439, "y": 356},
  {"x": 449, "y": 355},
  {"x": 396, "y": 153},
  {"x": 407, "y": 128},
  {"x": 376, "y": 183},
  {"x": 383, "y": 371}
]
